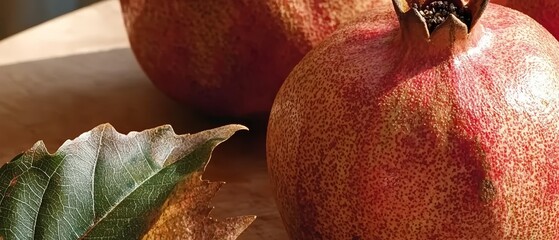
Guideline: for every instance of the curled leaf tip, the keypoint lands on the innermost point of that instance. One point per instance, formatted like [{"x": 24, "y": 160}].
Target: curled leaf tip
[
  {"x": 103, "y": 174},
  {"x": 230, "y": 129}
]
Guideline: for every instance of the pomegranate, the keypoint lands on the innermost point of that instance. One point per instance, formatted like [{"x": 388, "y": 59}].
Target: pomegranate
[
  {"x": 438, "y": 122},
  {"x": 229, "y": 57},
  {"x": 546, "y": 12}
]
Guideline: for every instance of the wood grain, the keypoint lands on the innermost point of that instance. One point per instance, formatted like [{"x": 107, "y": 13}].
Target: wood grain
[
  {"x": 59, "y": 98},
  {"x": 91, "y": 29}
]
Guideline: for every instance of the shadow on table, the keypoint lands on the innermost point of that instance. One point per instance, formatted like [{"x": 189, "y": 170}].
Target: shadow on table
[{"x": 57, "y": 99}]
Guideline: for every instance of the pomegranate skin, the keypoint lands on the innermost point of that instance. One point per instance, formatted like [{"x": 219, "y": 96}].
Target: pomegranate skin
[
  {"x": 229, "y": 58},
  {"x": 375, "y": 136},
  {"x": 546, "y": 12}
]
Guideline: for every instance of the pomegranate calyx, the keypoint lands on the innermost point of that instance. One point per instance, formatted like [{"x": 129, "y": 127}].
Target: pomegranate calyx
[{"x": 426, "y": 18}]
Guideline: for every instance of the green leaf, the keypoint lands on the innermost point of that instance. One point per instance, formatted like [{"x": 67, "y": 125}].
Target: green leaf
[{"x": 102, "y": 184}]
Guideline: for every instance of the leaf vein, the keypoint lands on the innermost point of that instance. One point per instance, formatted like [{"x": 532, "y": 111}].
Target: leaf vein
[
  {"x": 155, "y": 173},
  {"x": 96, "y": 159},
  {"x": 124, "y": 164},
  {"x": 144, "y": 155},
  {"x": 36, "y": 219}
]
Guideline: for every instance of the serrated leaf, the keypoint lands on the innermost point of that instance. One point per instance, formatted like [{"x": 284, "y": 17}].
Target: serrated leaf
[
  {"x": 104, "y": 184},
  {"x": 181, "y": 214}
]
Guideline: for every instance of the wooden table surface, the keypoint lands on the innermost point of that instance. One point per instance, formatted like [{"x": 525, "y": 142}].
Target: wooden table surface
[{"x": 68, "y": 75}]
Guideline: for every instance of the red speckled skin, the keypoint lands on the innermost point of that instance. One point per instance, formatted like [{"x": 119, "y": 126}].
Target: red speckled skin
[
  {"x": 373, "y": 136},
  {"x": 546, "y": 12},
  {"x": 229, "y": 57}
]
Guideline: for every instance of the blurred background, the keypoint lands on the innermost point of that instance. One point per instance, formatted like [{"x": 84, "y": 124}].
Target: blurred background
[{"x": 18, "y": 15}]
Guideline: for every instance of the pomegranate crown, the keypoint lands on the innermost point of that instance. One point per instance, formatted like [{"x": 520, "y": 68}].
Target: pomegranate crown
[{"x": 427, "y": 18}]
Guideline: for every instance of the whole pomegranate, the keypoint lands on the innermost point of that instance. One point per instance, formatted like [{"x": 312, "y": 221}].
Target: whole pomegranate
[
  {"x": 229, "y": 57},
  {"x": 546, "y": 12},
  {"x": 438, "y": 122}
]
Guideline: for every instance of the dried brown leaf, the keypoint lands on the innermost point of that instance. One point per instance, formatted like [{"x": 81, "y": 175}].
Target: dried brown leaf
[{"x": 185, "y": 215}]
